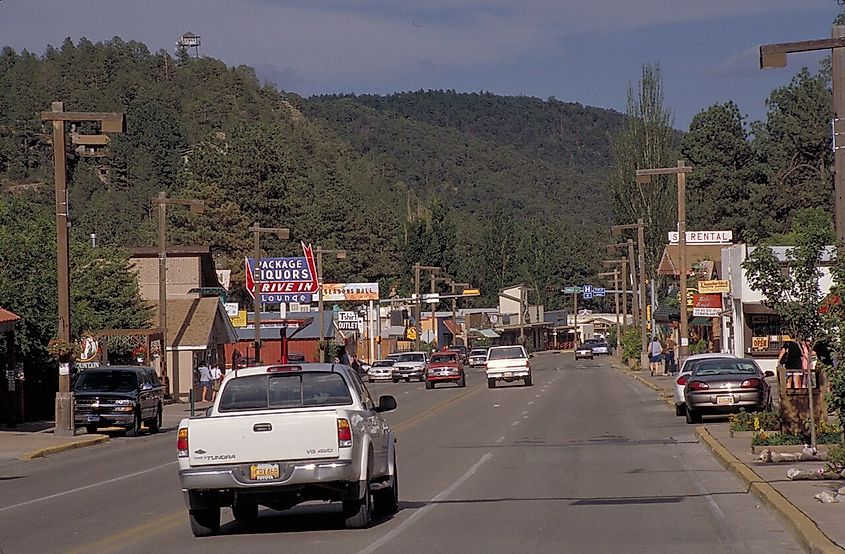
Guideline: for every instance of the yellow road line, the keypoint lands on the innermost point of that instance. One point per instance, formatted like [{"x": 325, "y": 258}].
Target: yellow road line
[
  {"x": 161, "y": 523},
  {"x": 430, "y": 411}
]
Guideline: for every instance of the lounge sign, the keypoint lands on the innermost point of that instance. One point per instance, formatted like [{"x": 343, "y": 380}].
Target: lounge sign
[
  {"x": 703, "y": 237},
  {"x": 283, "y": 279}
]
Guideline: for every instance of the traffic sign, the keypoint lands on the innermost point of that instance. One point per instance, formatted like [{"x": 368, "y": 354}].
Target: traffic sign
[
  {"x": 587, "y": 291},
  {"x": 471, "y": 292},
  {"x": 598, "y": 291},
  {"x": 572, "y": 290}
]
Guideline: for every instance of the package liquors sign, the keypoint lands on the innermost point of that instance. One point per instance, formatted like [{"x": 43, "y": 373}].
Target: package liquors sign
[{"x": 283, "y": 279}]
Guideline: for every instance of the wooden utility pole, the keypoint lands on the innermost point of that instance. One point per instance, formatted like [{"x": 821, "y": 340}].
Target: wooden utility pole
[
  {"x": 680, "y": 171},
  {"x": 774, "y": 55},
  {"x": 643, "y": 301},
  {"x": 109, "y": 123},
  {"x": 615, "y": 275},
  {"x": 196, "y": 206},
  {"x": 417, "y": 270},
  {"x": 257, "y": 229},
  {"x": 340, "y": 255}
]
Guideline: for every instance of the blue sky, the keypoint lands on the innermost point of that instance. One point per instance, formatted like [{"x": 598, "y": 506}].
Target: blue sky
[{"x": 585, "y": 51}]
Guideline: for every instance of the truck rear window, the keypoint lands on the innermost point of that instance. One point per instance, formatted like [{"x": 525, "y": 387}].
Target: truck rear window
[{"x": 292, "y": 390}]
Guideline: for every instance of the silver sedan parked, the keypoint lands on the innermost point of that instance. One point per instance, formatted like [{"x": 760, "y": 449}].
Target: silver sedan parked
[
  {"x": 689, "y": 364},
  {"x": 726, "y": 386}
]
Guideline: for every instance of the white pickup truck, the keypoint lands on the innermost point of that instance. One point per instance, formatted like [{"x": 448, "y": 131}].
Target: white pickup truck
[
  {"x": 507, "y": 363},
  {"x": 280, "y": 435}
]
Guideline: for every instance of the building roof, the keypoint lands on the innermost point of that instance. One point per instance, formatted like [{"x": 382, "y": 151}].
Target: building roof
[
  {"x": 207, "y": 268},
  {"x": 7, "y": 320},
  {"x": 191, "y": 322},
  {"x": 696, "y": 253}
]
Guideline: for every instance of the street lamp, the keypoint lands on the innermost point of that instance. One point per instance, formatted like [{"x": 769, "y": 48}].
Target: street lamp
[
  {"x": 340, "y": 254},
  {"x": 283, "y": 234},
  {"x": 196, "y": 207},
  {"x": 643, "y": 177},
  {"x": 617, "y": 230}
]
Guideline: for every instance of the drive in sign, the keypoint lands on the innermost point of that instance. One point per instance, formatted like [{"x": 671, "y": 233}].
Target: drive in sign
[{"x": 283, "y": 279}]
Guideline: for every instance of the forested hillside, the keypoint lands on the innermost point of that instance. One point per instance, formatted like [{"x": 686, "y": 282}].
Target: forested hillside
[{"x": 494, "y": 189}]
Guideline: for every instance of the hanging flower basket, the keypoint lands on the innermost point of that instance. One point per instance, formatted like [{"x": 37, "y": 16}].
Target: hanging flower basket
[{"x": 58, "y": 348}]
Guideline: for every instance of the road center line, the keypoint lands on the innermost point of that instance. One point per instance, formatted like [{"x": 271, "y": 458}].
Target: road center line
[
  {"x": 91, "y": 486},
  {"x": 442, "y": 495}
]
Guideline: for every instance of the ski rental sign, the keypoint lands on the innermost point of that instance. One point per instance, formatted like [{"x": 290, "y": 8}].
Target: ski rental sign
[{"x": 283, "y": 280}]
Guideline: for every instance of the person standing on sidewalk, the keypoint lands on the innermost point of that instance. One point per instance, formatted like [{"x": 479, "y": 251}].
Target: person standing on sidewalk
[
  {"x": 205, "y": 381},
  {"x": 216, "y": 377},
  {"x": 669, "y": 360},
  {"x": 655, "y": 349}
]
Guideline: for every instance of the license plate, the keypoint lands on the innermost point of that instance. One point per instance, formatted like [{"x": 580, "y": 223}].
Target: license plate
[
  {"x": 93, "y": 418},
  {"x": 264, "y": 472},
  {"x": 508, "y": 374},
  {"x": 724, "y": 399}
]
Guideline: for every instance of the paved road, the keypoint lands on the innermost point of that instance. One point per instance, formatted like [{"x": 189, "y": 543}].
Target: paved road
[{"x": 586, "y": 460}]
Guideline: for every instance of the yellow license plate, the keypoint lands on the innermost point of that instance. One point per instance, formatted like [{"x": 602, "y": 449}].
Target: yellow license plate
[
  {"x": 724, "y": 400},
  {"x": 264, "y": 472}
]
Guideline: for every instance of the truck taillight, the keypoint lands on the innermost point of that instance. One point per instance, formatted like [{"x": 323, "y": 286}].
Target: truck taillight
[
  {"x": 344, "y": 433},
  {"x": 182, "y": 442}
]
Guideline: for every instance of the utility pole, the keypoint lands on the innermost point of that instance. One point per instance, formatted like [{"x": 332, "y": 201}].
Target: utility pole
[
  {"x": 639, "y": 296},
  {"x": 575, "y": 313},
  {"x": 643, "y": 301},
  {"x": 340, "y": 254},
  {"x": 643, "y": 177},
  {"x": 453, "y": 286},
  {"x": 774, "y": 55},
  {"x": 283, "y": 234},
  {"x": 109, "y": 123},
  {"x": 197, "y": 207},
  {"x": 629, "y": 245},
  {"x": 615, "y": 275},
  {"x": 417, "y": 270}
]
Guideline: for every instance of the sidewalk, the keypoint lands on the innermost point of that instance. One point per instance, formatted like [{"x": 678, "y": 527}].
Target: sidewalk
[
  {"x": 33, "y": 440},
  {"x": 818, "y": 526}
]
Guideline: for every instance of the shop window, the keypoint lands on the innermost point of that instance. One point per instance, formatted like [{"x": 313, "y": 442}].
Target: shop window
[{"x": 766, "y": 333}]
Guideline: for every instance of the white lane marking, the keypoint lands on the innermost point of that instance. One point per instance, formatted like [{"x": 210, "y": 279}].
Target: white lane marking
[
  {"x": 524, "y": 412},
  {"x": 515, "y": 423},
  {"x": 427, "y": 508},
  {"x": 530, "y": 402},
  {"x": 500, "y": 439},
  {"x": 91, "y": 486},
  {"x": 536, "y": 396},
  {"x": 525, "y": 417},
  {"x": 496, "y": 405}
]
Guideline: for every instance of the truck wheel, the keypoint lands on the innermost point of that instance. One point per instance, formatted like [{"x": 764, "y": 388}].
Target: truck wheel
[
  {"x": 387, "y": 500},
  {"x": 528, "y": 381},
  {"x": 491, "y": 383},
  {"x": 154, "y": 425},
  {"x": 462, "y": 382},
  {"x": 205, "y": 522},
  {"x": 429, "y": 385},
  {"x": 395, "y": 380},
  {"x": 358, "y": 513},
  {"x": 245, "y": 512},
  {"x": 135, "y": 430},
  {"x": 90, "y": 429}
]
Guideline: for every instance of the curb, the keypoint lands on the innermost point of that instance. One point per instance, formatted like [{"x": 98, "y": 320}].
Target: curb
[
  {"x": 46, "y": 451},
  {"x": 804, "y": 528},
  {"x": 670, "y": 400}
]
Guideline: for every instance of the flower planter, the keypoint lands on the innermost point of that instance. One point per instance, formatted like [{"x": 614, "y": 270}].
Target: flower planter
[{"x": 742, "y": 435}]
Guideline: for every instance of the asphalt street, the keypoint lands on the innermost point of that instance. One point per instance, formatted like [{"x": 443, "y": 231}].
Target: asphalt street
[{"x": 586, "y": 460}]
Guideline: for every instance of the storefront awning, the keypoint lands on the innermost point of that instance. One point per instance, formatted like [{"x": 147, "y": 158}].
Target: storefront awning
[
  {"x": 489, "y": 333},
  {"x": 700, "y": 321}
]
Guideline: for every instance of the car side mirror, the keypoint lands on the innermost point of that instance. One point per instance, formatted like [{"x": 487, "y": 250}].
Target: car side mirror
[
  {"x": 769, "y": 373},
  {"x": 386, "y": 403}
]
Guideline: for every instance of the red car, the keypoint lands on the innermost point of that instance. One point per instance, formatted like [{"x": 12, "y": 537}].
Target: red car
[{"x": 444, "y": 367}]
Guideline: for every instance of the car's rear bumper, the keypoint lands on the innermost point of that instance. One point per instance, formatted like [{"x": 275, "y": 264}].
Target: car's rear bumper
[
  {"x": 715, "y": 403},
  {"x": 303, "y": 472},
  {"x": 442, "y": 378}
]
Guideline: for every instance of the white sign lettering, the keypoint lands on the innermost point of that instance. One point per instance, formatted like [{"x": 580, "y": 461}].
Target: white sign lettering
[{"x": 703, "y": 237}]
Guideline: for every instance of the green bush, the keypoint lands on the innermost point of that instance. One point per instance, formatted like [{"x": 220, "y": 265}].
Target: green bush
[
  {"x": 755, "y": 421},
  {"x": 632, "y": 344},
  {"x": 764, "y": 438},
  {"x": 835, "y": 458}
]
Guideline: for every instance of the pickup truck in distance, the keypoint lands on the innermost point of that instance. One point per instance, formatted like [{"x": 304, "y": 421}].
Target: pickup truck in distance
[
  {"x": 507, "y": 363},
  {"x": 280, "y": 435}
]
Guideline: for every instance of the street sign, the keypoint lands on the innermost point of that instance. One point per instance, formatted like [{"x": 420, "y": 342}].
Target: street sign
[
  {"x": 283, "y": 279},
  {"x": 599, "y": 291},
  {"x": 572, "y": 290},
  {"x": 587, "y": 292},
  {"x": 347, "y": 321},
  {"x": 471, "y": 292}
]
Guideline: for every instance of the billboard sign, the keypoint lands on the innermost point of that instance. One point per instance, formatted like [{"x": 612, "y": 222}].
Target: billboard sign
[
  {"x": 703, "y": 237},
  {"x": 707, "y": 305},
  {"x": 714, "y": 287},
  {"x": 350, "y": 292},
  {"x": 283, "y": 279}
]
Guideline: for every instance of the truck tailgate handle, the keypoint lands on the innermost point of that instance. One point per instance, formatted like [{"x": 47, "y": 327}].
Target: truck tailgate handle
[{"x": 258, "y": 427}]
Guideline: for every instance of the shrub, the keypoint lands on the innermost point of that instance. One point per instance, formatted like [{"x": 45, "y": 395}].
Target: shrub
[
  {"x": 835, "y": 458},
  {"x": 764, "y": 438},
  {"x": 632, "y": 344},
  {"x": 755, "y": 421}
]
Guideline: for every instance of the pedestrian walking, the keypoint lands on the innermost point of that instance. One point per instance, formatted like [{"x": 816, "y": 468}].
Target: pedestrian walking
[
  {"x": 205, "y": 381},
  {"x": 655, "y": 349},
  {"x": 216, "y": 378},
  {"x": 669, "y": 360}
]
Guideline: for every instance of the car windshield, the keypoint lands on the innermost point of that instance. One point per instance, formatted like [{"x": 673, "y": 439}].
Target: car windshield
[
  {"x": 107, "y": 381},
  {"x": 411, "y": 358},
  {"x": 291, "y": 390},
  {"x": 506, "y": 353},
  {"x": 724, "y": 367},
  {"x": 383, "y": 363},
  {"x": 478, "y": 353},
  {"x": 440, "y": 358}
]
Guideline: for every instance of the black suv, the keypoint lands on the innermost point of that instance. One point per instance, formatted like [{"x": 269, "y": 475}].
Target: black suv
[{"x": 118, "y": 396}]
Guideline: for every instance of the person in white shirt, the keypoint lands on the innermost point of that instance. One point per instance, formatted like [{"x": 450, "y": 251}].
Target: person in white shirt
[
  {"x": 655, "y": 349},
  {"x": 205, "y": 381},
  {"x": 216, "y": 378}
]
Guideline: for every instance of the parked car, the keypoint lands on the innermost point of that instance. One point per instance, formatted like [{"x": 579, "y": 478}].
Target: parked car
[
  {"x": 599, "y": 346},
  {"x": 477, "y": 357},
  {"x": 410, "y": 365},
  {"x": 280, "y": 435},
  {"x": 381, "y": 370},
  {"x": 394, "y": 356},
  {"x": 683, "y": 376},
  {"x": 584, "y": 351},
  {"x": 118, "y": 396},
  {"x": 444, "y": 367},
  {"x": 726, "y": 386},
  {"x": 507, "y": 363}
]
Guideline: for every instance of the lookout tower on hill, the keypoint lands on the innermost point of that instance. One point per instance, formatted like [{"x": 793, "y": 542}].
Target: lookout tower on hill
[{"x": 190, "y": 40}]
